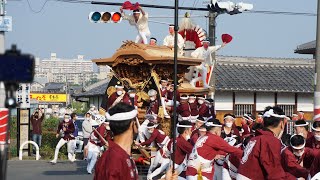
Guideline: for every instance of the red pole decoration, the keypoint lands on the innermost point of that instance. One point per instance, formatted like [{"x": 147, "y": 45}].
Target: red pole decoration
[{"x": 4, "y": 119}]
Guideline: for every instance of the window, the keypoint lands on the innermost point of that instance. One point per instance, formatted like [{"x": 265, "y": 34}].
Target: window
[
  {"x": 288, "y": 109},
  {"x": 241, "y": 109}
]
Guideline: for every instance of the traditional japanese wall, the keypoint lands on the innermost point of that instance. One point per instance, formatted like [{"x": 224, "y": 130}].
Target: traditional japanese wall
[
  {"x": 224, "y": 101},
  {"x": 228, "y": 102},
  {"x": 263, "y": 100}
]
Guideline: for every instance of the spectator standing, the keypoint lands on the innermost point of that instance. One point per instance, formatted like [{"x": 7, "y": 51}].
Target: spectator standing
[{"x": 36, "y": 122}]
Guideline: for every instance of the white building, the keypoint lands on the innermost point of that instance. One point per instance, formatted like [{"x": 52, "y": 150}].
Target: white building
[{"x": 75, "y": 71}]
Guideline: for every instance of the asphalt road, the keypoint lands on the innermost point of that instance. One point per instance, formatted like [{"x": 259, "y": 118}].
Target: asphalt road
[{"x": 43, "y": 170}]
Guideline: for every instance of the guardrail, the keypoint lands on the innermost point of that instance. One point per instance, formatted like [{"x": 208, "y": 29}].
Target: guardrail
[{"x": 29, "y": 142}]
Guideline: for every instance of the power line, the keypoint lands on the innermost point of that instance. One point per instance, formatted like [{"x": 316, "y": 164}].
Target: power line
[
  {"x": 282, "y": 13},
  {"x": 159, "y": 22},
  {"x": 34, "y": 11},
  {"x": 194, "y": 8}
]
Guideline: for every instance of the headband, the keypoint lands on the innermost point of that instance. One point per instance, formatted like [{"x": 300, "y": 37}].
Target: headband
[
  {"x": 185, "y": 126},
  {"x": 213, "y": 125},
  {"x": 271, "y": 113},
  {"x": 122, "y": 116},
  {"x": 229, "y": 117},
  {"x": 295, "y": 147}
]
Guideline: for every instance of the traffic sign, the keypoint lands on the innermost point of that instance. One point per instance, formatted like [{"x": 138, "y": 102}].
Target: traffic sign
[{"x": 5, "y": 23}]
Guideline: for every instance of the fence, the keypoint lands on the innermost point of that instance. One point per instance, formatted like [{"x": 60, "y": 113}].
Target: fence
[{"x": 290, "y": 126}]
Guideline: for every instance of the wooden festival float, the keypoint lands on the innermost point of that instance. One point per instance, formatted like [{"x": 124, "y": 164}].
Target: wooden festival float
[{"x": 142, "y": 67}]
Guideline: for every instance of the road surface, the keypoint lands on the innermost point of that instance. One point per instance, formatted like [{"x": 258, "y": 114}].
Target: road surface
[{"x": 43, "y": 170}]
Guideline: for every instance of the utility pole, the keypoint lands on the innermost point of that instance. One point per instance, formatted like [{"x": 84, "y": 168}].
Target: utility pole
[
  {"x": 2, "y": 14},
  {"x": 175, "y": 81},
  {"x": 212, "y": 39},
  {"x": 3, "y": 147},
  {"x": 2, "y": 90},
  {"x": 317, "y": 71}
]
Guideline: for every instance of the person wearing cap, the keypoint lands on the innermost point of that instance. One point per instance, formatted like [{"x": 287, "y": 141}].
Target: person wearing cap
[
  {"x": 193, "y": 108},
  {"x": 153, "y": 41},
  {"x": 119, "y": 96},
  {"x": 302, "y": 128},
  {"x": 204, "y": 53},
  {"x": 314, "y": 141},
  {"x": 262, "y": 158},
  {"x": 232, "y": 162},
  {"x": 229, "y": 129},
  {"x": 133, "y": 98},
  {"x": 96, "y": 142},
  {"x": 139, "y": 19},
  {"x": 66, "y": 127},
  {"x": 296, "y": 159},
  {"x": 183, "y": 109},
  {"x": 143, "y": 130},
  {"x": 200, "y": 162},
  {"x": 247, "y": 123},
  {"x": 153, "y": 107},
  {"x": 212, "y": 111},
  {"x": 116, "y": 162},
  {"x": 196, "y": 131},
  {"x": 183, "y": 147},
  {"x": 169, "y": 40},
  {"x": 202, "y": 107}
]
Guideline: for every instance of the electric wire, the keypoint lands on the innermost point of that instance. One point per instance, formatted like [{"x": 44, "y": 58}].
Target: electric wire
[{"x": 289, "y": 13}]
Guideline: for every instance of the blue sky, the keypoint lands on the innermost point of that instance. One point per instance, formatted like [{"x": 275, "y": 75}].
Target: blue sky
[{"x": 64, "y": 28}]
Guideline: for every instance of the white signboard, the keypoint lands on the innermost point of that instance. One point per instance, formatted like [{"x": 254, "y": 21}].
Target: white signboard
[
  {"x": 5, "y": 23},
  {"x": 23, "y": 96}
]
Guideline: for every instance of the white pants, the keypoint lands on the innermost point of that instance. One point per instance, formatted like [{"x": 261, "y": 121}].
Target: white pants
[
  {"x": 203, "y": 71},
  {"x": 142, "y": 36},
  {"x": 70, "y": 148},
  {"x": 163, "y": 103},
  {"x": 164, "y": 164},
  {"x": 93, "y": 153}
]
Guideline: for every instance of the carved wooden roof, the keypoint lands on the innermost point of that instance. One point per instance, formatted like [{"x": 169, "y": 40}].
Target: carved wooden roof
[{"x": 134, "y": 54}]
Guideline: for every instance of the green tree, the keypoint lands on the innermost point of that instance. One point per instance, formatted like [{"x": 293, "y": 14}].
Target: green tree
[{"x": 79, "y": 107}]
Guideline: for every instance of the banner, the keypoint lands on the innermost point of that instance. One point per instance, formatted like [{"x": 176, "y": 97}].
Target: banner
[{"x": 49, "y": 97}]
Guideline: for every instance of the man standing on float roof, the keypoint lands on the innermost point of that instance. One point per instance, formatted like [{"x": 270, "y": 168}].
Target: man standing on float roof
[
  {"x": 139, "y": 19},
  {"x": 204, "y": 53},
  {"x": 116, "y": 162},
  {"x": 169, "y": 40}
]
